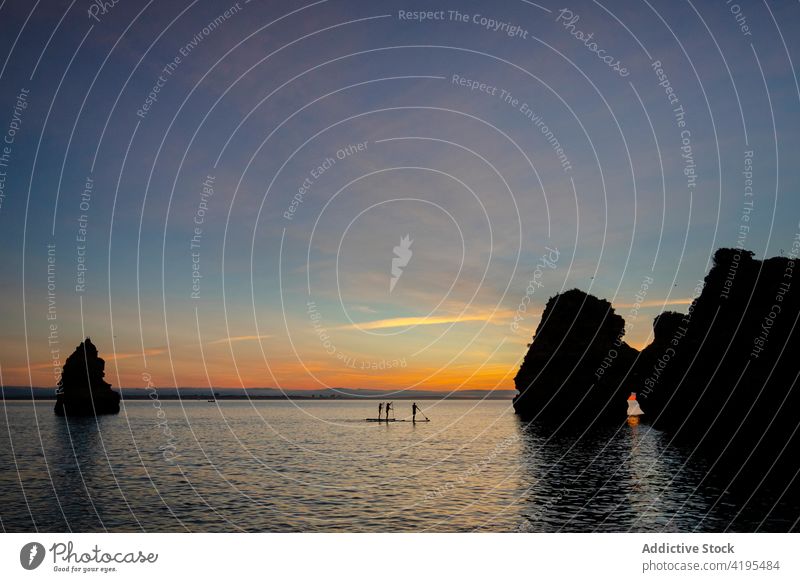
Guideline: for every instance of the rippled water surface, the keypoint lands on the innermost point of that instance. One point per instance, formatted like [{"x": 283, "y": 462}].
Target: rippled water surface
[{"x": 317, "y": 466}]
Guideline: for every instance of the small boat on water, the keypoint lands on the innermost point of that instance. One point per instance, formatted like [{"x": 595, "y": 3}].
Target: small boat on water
[{"x": 633, "y": 406}]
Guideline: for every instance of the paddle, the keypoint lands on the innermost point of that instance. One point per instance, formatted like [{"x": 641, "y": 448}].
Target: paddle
[{"x": 423, "y": 414}]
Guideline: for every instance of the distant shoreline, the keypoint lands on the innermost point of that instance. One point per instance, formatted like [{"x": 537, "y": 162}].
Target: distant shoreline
[{"x": 199, "y": 394}]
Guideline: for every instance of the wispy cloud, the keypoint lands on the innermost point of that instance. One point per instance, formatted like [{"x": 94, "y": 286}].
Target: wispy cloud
[
  {"x": 655, "y": 303},
  {"x": 239, "y": 338},
  {"x": 128, "y": 355},
  {"x": 393, "y": 322}
]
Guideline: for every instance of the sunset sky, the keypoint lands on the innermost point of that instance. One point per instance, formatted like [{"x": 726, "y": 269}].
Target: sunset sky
[{"x": 242, "y": 174}]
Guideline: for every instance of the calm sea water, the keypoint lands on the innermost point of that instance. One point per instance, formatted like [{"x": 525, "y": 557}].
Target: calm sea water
[{"x": 317, "y": 466}]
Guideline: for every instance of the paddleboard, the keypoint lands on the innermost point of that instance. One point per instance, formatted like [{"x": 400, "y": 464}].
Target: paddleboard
[{"x": 393, "y": 420}]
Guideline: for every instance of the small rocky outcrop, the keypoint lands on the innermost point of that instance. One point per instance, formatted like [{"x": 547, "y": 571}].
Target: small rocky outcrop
[
  {"x": 82, "y": 390},
  {"x": 577, "y": 362}
]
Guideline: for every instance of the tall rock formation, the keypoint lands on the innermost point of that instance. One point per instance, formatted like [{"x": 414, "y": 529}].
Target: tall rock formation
[
  {"x": 577, "y": 362},
  {"x": 82, "y": 391},
  {"x": 722, "y": 378}
]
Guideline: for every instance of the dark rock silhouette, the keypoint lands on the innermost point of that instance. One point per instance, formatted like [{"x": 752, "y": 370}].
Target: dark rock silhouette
[
  {"x": 82, "y": 391},
  {"x": 721, "y": 379},
  {"x": 576, "y": 362}
]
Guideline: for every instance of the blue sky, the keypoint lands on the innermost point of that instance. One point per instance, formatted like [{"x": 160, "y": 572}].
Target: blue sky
[{"x": 276, "y": 88}]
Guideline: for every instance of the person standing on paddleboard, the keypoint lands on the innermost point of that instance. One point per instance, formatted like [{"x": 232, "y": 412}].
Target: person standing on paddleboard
[
  {"x": 388, "y": 406},
  {"x": 414, "y": 409},
  {"x": 380, "y": 410}
]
